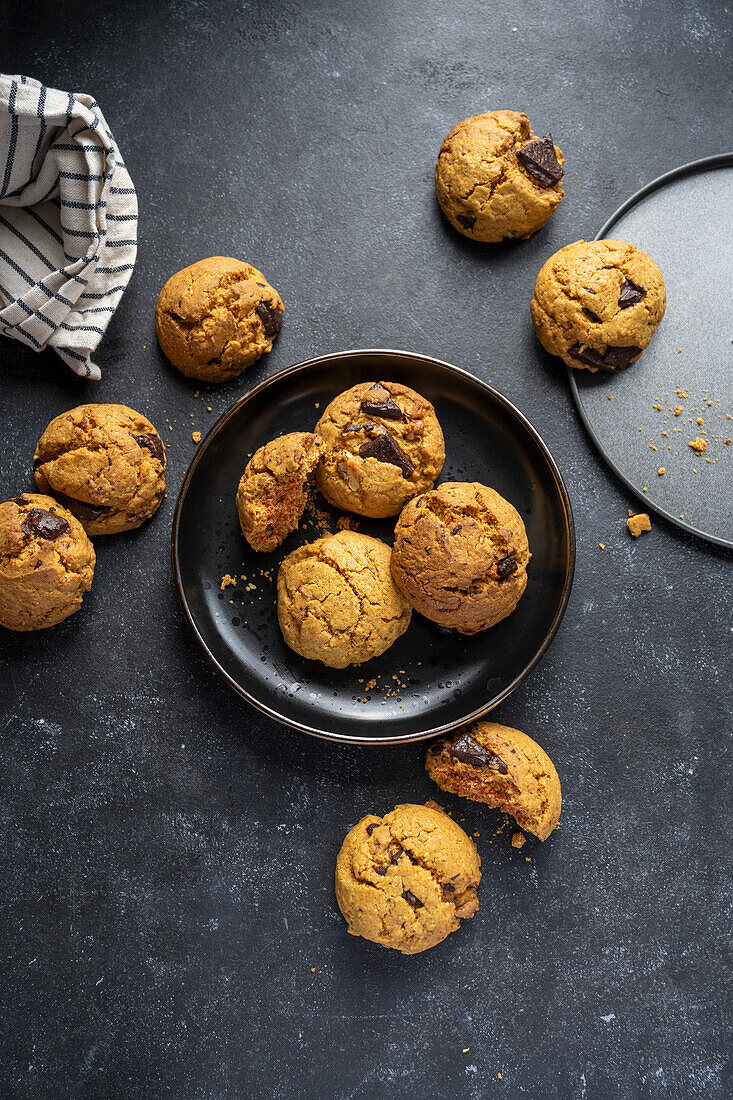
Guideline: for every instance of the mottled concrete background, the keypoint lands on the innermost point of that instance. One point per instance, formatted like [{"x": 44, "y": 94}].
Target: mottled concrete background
[{"x": 168, "y": 914}]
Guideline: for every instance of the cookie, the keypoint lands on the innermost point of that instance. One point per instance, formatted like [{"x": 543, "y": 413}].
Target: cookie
[
  {"x": 597, "y": 304},
  {"x": 460, "y": 556},
  {"x": 217, "y": 317},
  {"x": 46, "y": 562},
  {"x": 105, "y": 463},
  {"x": 383, "y": 445},
  {"x": 337, "y": 602},
  {"x": 273, "y": 488},
  {"x": 496, "y": 179},
  {"x": 406, "y": 880},
  {"x": 502, "y": 767}
]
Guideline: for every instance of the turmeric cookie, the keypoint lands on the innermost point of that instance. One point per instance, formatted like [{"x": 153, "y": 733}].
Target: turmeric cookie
[
  {"x": 105, "y": 463},
  {"x": 502, "y": 767},
  {"x": 460, "y": 556},
  {"x": 383, "y": 445},
  {"x": 337, "y": 602},
  {"x": 46, "y": 562},
  {"x": 495, "y": 179},
  {"x": 597, "y": 304},
  {"x": 216, "y": 317},
  {"x": 406, "y": 880},
  {"x": 273, "y": 489}
]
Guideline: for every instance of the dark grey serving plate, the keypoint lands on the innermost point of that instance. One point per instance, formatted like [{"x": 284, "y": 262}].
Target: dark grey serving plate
[
  {"x": 428, "y": 682},
  {"x": 684, "y": 221}
]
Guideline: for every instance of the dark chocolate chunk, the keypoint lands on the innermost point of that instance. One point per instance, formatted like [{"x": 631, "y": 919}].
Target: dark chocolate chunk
[
  {"x": 41, "y": 524},
  {"x": 272, "y": 319},
  {"x": 411, "y": 899},
  {"x": 466, "y": 749},
  {"x": 506, "y": 567},
  {"x": 353, "y": 428},
  {"x": 592, "y": 316},
  {"x": 630, "y": 294},
  {"x": 614, "y": 358},
  {"x": 388, "y": 410},
  {"x": 456, "y": 529},
  {"x": 21, "y": 500},
  {"x": 80, "y": 508},
  {"x": 386, "y": 449},
  {"x": 540, "y": 160},
  {"x": 466, "y": 222},
  {"x": 381, "y": 871},
  {"x": 153, "y": 443},
  {"x": 370, "y": 828}
]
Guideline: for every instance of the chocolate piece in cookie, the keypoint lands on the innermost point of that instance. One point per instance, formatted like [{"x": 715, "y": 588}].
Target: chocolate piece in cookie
[
  {"x": 46, "y": 563},
  {"x": 401, "y": 456},
  {"x": 273, "y": 489},
  {"x": 406, "y": 880},
  {"x": 540, "y": 159},
  {"x": 526, "y": 785},
  {"x": 597, "y": 304},
  {"x": 105, "y": 463}
]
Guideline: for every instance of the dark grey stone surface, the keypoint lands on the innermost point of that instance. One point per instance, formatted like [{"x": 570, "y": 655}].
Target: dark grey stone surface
[{"x": 167, "y": 854}]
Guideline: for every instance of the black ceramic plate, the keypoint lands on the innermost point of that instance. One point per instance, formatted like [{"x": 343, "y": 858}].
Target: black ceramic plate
[
  {"x": 428, "y": 682},
  {"x": 682, "y": 220}
]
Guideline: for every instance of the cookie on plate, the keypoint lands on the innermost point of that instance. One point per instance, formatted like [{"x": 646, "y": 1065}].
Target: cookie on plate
[
  {"x": 216, "y": 317},
  {"x": 274, "y": 488},
  {"x": 383, "y": 444},
  {"x": 460, "y": 556},
  {"x": 502, "y": 767},
  {"x": 406, "y": 880},
  {"x": 46, "y": 562},
  {"x": 337, "y": 602},
  {"x": 105, "y": 463},
  {"x": 597, "y": 304},
  {"x": 496, "y": 179}
]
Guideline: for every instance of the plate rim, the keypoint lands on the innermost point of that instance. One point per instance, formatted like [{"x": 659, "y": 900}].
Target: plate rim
[
  {"x": 302, "y": 367},
  {"x": 704, "y": 164}
]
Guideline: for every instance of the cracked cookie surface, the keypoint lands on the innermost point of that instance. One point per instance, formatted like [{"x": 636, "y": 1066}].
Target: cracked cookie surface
[
  {"x": 383, "y": 445},
  {"x": 406, "y": 880},
  {"x": 272, "y": 491},
  {"x": 597, "y": 304},
  {"x": 460, "y": 556},
  {"x": 46, "y": 562},
  {"x": 502, "y": 767},
  {"x": 105, "y": 463},
  {"x": 484, "y": 189},
  {"x": 216, "y": 317},
  {"x": 337, "y": 602}
]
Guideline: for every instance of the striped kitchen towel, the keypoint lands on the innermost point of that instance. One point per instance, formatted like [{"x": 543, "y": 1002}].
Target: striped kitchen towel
[{"x": 68, "y": 221}]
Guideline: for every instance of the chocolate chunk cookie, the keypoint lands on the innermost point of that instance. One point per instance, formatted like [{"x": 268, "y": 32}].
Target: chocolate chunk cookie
[
  {"x": 502, "y": 767},
  {"x": 216, "y": 317},
  {"x": 383, "y": 444},
  {"x": 105, "y": 463},
  {"x": 406, "y": 880},
  {"x": 46, "y": 562},
  {"x": 460, "y": 556},
  {"x": 337, "y": 602},
  {"x": 597, "y": 304},
  {"x": 273, "y": 489},
  {"x": 496, "y": 179}
]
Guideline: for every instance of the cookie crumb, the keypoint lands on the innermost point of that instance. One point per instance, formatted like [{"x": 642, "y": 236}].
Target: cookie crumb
[
  {"x": 638, "y": 524},
  {"x": 678, "y": 410},
  {"x": 700, "y": 420},
  {"x": 518, "y": 840},
  {"x": 661, "y": 471},
  {"x": 313, "y": 970},
  {"x": 196, "y": 437},
  {"x": 347, "y": 523},
  {"x": 602, "y": 545},
  {"x": 228, "y": 580},
  {"x": 698, "y": 445},
  {"x": 370, "y": 685}
]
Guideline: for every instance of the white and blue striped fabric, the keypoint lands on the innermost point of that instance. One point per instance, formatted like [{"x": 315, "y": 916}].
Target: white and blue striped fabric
[{"x": 68, "y": 221}]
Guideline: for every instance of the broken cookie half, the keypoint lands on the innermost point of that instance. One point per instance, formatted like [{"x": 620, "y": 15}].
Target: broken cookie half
[{"x": 274, "y": 488}]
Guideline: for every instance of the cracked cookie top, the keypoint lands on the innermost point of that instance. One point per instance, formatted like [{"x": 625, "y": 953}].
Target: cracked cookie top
[
  {"x": 495, "y": 179},
  {"x": 460, "y": 556},
  {"x": 216, "y": 317},
  {"x": 597, "y": 304},
  {"x": 337, "y": 602},
  {"x": 407, "y": 879}
]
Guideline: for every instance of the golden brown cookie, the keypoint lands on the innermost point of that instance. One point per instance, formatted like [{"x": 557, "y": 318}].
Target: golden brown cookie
[
  {"x": 502, "y": 767},
  {"x": 597, "y": 304},
  {"x": 337, "y": 602},
  {"x": 460, "y": 556},
  {"x": 105, "y": 463},
  {"x": 216, "y": 317},
  {"x": 495, "y": 178},
  {"x": 46, "y": 562},
  {"x": 273, "y": 488},
  {"x": 383, "y": 445},
  {"x": 406, "y": 880}
]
